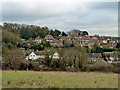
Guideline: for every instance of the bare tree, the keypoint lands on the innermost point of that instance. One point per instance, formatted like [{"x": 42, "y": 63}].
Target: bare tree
[
  {"x": 75, "y": 56},
  {"x": 15, "y": 58}
]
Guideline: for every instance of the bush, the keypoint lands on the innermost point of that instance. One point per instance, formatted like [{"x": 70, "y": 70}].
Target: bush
[
  {"x": 23, "y": 66},
  {"x": 55, "y": 63},
  {"x": 116, "y": 70},
  {"x": 45, "y": 69},
  {"x": 30, "y": 66},
  {"x": 62, "y": 66},
  {"x": 70, "y": 69},
  {"x": 84, "y": 68},
  {"x": 101, "y": 68}
]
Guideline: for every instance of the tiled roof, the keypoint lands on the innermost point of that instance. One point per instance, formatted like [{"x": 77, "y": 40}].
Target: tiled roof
[{"x": 94, "y": 38}]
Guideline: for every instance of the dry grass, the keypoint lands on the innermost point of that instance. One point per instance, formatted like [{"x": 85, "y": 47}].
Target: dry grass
[{"x": 31, "y": 79}]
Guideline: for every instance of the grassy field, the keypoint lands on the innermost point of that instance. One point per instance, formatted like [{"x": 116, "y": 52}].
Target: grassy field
[{"x": 31, "y": 79}]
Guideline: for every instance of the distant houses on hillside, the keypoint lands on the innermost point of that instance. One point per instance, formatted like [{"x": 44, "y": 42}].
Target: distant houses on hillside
[
  {"x": 80, "y": 41},
  {"x": 78, "y": 38}
]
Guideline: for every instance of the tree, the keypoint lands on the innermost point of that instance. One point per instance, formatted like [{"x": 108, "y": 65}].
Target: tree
[
  {"x": 118, "y": 45},
  {"x": 16, "y": 58},
  {"x": 55, "y": 63},
  {"x": 75, "y": 56},
  {"x": 64, "y": 34},
  {"x": 47, "y": 60},
  {"x": 85, "y": 33},
  {"x": 96, "y": 48},
  {"x": 62, "y": 65},
  {"x": 30, "y": 66}
]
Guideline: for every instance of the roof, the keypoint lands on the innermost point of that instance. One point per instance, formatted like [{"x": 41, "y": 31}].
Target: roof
[
  {"x": 100, "y": 63},
  {"x": 55, "y": 41},
  {"x": 94, "y": 38},
  {"x": 37, "y": 38},
  {"x": 95, "y": 55},
  {"x": 49, "y": 36},
  {"x": 65, "y": 38},
  {"x": 56, "y": 53},
  {"x": 86, "y": 38},
  {"x": 32, "y": 53}
]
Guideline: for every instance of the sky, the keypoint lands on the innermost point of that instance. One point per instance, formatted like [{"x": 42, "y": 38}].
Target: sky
[{"x": 65, "y": 15}]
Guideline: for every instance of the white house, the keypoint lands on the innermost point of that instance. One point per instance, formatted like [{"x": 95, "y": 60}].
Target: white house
[{"x": 32, "y": 56}]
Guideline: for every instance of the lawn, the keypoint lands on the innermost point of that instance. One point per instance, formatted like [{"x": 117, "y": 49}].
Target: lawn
[{"x": 39, "y": 79}]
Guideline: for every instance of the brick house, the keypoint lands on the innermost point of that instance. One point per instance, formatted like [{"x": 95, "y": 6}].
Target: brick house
[
  {"x": 38, "y": 40},
  {"x": 49, "y": 38},
  {"x": 56, "y": 43}
]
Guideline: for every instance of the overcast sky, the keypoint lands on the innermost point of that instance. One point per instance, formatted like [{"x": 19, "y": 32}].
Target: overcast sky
[{"x": 95, "y": 17}]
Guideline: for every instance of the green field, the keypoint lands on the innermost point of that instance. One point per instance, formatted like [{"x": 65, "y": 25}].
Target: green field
[{"x": 31, "y": 79}]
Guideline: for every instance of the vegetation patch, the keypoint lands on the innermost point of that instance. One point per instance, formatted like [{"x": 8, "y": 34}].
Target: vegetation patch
[{"x": 57, "y": 79}]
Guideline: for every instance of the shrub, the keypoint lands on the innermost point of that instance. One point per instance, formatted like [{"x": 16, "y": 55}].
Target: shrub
[
  {"x": 45, "y": 69},
  {"x": 62, "y": 65},
  {"x": 30, "y": 66},
  {"x": 101, "y": 68},
  {"x": 84, "y": 68},
  {"x": 70, "y": 69},
  {"x": 23, "y": 66},
  {"x": 55, "y": 63}
]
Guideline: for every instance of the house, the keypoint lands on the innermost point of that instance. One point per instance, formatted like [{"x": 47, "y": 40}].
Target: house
[
  {"x": 76, "y": 33},
  {"x": 108, "y": 43},
  {"x": 65, "y": 38},
  {"x": 36, "y": 55},
  {"x": 38, "y": 40},
  {"x": 56, "y": 43},
  {"x": 111, "y": 56},
  {"x": 32, "y": 56},
  {"x": 76, "y": 42},
  {"x": 49, "y": 37},
  {"x": 94, "y": 57},
  {"x": 84, "y": 40},
  {"x": 100, "y": 63},
  {"x": 80, "y": 39},
  {"x": 93, "y": 40},
  {"x": 56, "y": 55}
]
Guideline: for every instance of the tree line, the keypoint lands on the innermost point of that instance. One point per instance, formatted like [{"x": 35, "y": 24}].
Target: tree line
[{"x": 31, "y": 31}]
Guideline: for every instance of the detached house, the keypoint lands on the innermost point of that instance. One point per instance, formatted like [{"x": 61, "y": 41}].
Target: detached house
[
  {"x": 65, "y": 38},
  {"x": 94, "y": 57},
  {"x": 32, "y": 56},
  {"x": 56, "y": 43},
  {"x": 38, "y": 40},
  {"x": 49, "y": 38},
  {"x": 93, "y": 40},
  {"x": 56, "y": 55}
]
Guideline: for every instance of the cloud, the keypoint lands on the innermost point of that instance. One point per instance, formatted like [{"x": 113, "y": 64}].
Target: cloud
[{"x": 64, "y": 15}]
